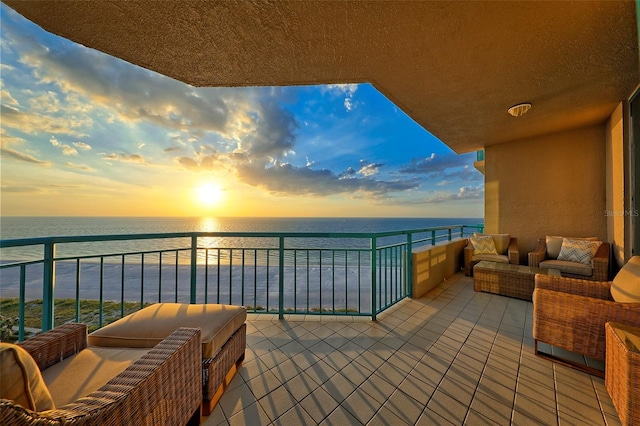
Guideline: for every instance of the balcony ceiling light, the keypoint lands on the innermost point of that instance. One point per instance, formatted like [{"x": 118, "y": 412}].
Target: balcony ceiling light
[{"x": 518, "y": 110}]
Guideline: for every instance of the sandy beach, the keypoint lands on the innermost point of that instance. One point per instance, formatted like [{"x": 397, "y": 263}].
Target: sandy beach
[{"x": 323, "y": 288}]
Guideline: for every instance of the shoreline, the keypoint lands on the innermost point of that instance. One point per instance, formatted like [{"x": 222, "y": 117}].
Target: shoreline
[{"x": 346, "y": 288}]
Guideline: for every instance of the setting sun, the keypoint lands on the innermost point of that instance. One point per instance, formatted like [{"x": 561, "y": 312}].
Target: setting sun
[{"x": 209, "y": 194}]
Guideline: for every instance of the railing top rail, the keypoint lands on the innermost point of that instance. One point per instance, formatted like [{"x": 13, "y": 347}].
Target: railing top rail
[{"x": 120, "y": 237}]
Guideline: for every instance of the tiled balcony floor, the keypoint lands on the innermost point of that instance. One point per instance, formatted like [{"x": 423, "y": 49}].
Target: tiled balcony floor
[{"x": 452, "y": 357}]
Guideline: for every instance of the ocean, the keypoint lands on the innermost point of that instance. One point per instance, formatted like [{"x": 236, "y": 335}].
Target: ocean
[
  {"x": 32, "y": 227},
  {"x": 312, "y": 276}
]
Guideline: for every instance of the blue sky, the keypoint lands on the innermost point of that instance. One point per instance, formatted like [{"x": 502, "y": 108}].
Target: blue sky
[{"x": 87, "y": 134}]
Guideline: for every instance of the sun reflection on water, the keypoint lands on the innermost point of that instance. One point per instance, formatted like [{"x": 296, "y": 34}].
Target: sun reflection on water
[{"x": 209, "y": 224}]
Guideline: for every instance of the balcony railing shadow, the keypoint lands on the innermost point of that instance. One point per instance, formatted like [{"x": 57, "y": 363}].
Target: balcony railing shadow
[{"x": 454, "y": 356}]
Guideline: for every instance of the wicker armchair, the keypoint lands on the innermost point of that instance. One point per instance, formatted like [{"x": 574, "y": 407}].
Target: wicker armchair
[
  {"x": 571, "y": 313},
  {"x": 599, "y": 262},
  {"x": 163, "y": 387},
  {"x": 510, "y": 254}
]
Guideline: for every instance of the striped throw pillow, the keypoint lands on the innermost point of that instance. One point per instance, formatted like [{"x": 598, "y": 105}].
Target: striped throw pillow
[
  {"x": 483, "y": 245},
  {"x": 578, "y": 250}
]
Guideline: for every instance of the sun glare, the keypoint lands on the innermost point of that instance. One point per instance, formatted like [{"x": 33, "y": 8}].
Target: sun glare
[{"x": 209, "y": 194}]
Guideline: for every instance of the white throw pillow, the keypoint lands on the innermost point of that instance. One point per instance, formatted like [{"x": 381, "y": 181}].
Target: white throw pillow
[
  {"x": 483, "y": 245},
  {"x": 578, "y": 250}
]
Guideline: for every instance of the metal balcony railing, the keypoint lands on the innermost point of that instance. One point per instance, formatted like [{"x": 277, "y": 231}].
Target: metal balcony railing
[{"x": 358, "y": 274}]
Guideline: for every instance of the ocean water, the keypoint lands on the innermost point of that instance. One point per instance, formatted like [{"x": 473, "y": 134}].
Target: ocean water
[
  {"x": 32, "y": 227},
  {"x": 313, "y": 278}
]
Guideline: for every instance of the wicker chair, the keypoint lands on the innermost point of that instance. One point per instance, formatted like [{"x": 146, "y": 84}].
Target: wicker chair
[
  {"x": 571, "y": 313},
  {"x": 510, "y": 254},
  {"x": 162, "y": 387},
  {"x": 599, "y": 262}
]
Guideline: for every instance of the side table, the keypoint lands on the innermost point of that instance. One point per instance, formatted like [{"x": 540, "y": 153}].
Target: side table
[{"x": 622, "y": 370}]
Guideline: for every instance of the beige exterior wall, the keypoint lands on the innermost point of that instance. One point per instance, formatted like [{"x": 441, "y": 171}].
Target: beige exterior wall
[
  {"x": 432, "y": 265},
  {"x": 615, "y": 206},
  {"x": 550, "y": 185}
]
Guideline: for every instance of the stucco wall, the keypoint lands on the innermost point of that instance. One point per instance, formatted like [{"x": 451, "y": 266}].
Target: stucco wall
[
  {"x": 432, "y": 265},
  {"x": 550, "y": 185},
  {"x": 615, "y": 209}
]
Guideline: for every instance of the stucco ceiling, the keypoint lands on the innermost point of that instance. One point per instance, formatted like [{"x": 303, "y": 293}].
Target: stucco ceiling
[{"x": 454, "y": 67}]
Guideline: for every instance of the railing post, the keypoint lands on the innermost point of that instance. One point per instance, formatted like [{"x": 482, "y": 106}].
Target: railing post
[
  {"x": 409, "y": 274},
  {"x": 48, "y": 286},
  {"x": 194, "y": 266},
  {"x": 449, "y": 234},
  {"x": 280, "y": 278},
  {"x": 433, "y": 237},
  {"x": 22, "y": 303},
  {"x": 373, "y": 278}
]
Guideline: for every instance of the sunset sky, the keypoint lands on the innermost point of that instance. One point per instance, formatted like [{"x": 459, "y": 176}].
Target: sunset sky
[{"x": 87, "y": 134}]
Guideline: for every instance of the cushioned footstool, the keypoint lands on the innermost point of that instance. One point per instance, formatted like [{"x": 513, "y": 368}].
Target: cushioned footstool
[{"x": 223, "y": 338}]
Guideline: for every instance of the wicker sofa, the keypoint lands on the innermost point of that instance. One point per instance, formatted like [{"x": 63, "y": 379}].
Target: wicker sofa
[
  {"x": 571, "y": 313},
  {"x": 546, "y": 256},
  {"x": 506, "y": 252},
  {"x": 162, "y": 387}
]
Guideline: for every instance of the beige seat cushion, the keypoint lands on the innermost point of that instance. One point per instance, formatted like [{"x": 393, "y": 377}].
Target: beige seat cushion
[
  {"x": 568, "y": 267},
  {"x": 490, "y": 257},
  {"x": 87, "y": 371},
  {"x": 21, "y": 380},
  {"x": 626, "y": 284},
  {"x": 149, "y": 326}
]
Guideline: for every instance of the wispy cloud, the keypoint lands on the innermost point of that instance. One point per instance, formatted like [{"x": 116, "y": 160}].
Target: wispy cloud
[
  {"x": 126, "y": 158},
  {"x": 444, "y": 170},
  {"x": 6, "y": 96},
  {"x": 464, "y": 193},
  {"x": 460, "y": 174},
  {"x": 82, "y": 167},
  {"x": 436, "y": 163},
  {"x": 20, "y": 156},
  {"x": 284, "y": 178},
  {"x": 21, "y": 189},
  {"x": 7, "y": 143},
  {"x": 66, "y": 149},
  {"x": 32, "y": 123},
  {"x": 82, "y": 145},
  {"x": 343, "y": 90},
  {"x": 369, "y": 169}
]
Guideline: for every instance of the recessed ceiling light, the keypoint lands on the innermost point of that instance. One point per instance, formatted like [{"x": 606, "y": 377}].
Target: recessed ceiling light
[{"x": 518, "y": 110}]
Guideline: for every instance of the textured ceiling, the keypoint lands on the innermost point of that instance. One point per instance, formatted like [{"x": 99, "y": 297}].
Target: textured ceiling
[{"x": 454, "y": 67}]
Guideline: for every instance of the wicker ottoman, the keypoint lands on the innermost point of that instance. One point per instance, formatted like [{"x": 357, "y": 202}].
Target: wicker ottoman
[
  {"x": 506, "y": 279},
  {"x": 223, "y": 338},
  {"x": 622, "y": 370}
]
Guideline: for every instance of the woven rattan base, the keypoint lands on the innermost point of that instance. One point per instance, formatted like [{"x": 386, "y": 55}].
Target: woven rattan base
[
  {"x": 217, "y": 372},
  {"x": 507, "y": 280},
  {"x": 623, "y": 372}
]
